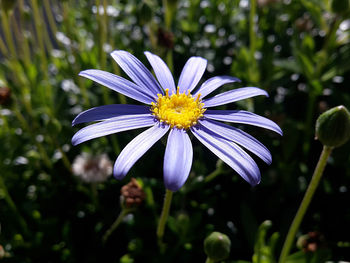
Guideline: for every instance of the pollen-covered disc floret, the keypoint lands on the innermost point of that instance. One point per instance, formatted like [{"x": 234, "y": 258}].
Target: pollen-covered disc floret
[{"x": 178, "y": 110}]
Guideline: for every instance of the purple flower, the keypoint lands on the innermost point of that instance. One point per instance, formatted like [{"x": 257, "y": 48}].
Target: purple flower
[{"x": 179, "y": 110}]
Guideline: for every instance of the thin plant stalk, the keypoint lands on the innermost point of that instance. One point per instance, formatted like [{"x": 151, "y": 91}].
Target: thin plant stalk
[
  {"x": 209, "y": 261},
  {"x": 39, "y": 33},
  {"x": 3, "y": 48},
  {"x": 116, "y": 223},
  {"x": 102, "y": 22},
  {"x": 50, "y": 18},
  {"x": 164, "y": 215},
  {"x": 7, "y": 32},
  {"x": 22, "y": 41},
  {"x": 75, "y": 66},
  {"x": 13, "y": 206},
  {"x": 305, "y": 203},
  {"x": 252, "y": 33},
  {"x": 168, "y": 17}
]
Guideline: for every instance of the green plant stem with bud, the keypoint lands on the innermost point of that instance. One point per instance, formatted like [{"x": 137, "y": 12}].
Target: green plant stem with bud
[
  {"x": 305, "y": 203},
  {"x": 116, "y": 223},
  {"x": 164, "y": 216}
]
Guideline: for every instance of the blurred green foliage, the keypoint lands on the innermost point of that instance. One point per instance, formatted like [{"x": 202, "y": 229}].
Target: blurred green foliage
[{"x": 299, "y": 51}]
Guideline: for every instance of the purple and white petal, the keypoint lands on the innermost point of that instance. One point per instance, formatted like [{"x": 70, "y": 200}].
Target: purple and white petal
[
  {"x": 109, "y": 111},
  {"x": 233, "y": 95},
  {"x": 136, "y": 148},
  {"x": 137, "y": 71},
  {"x": 230, "y": 153},
  {"x": 240, "y": 137},
  {"x": 244, "y": 117},
  {"x": 192, "y": 73},
  {"x": 213, "y": 83},
  {"x": 119, "y": 84},
  {"x": 114, "y": 125},
  {"x": 162, "y": 72},
  {"x": 177, "y": 159}
]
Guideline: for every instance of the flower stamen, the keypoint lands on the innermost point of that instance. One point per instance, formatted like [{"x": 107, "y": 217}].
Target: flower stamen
[{"x": 178, "y": 110}]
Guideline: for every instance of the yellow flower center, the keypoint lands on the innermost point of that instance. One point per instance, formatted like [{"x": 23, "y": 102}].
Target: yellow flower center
[{"x": 178, "y": 110}]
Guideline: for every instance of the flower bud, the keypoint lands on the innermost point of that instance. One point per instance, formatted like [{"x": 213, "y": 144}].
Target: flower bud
[
  {"x": 333, "y": 127},
  {"x": 132, "y": 194},
  {"x": 340, "y": 6},
  {"x": 5, "y": 95},
  {"x": 217, "y": 246}
]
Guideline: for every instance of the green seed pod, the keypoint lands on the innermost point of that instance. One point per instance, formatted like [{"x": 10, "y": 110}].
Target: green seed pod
[
  {"x": 333, "y": 127},
  {"x": 8, "y": 5},
  {"x": 217, "y": 246},
  {"x": 340, "y": 6}
]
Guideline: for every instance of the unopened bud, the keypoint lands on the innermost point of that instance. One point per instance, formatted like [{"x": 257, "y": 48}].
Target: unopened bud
[
  {"x": 333, "y": 127},
  {"x": 217, "y": 246},
  {"x": 132, "y": 194},
  {"x": 5, "y": 95}
]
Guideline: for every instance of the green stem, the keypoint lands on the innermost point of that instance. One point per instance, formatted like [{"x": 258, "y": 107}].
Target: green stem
[
  {"x": 305, "y": 203},
  {"x": 13, "y": 206},
  {"x": 115, "y": 224},
  {"x": 102, "y": 24},
  {"x": 252, "y": 39},
  {"x": 164, "y": 215},
  {"x": 8, "y": 34},
  {"x": 50, "y": 18},
  {"x": 3, "y": 48},
  {"x": 215, "y": 173},
  {"x": 168, "y": 17},
  {"x": 209, "y": 260}
]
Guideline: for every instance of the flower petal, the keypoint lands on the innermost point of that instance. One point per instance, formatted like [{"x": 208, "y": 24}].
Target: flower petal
[
  {"x": 213, "y": 83},
  {"x": 245, "y": 117},
  {"x": 192, "y": 73},
  {"x": 137, "y": 71},
  {"x": 162, "y": 72},
  {"x": 177, "y": 159},
  {"x": 136, "y": 148},
  {"x": 114, "y": 125},
  {"x": 230, "y": 153},
  {"x": 109, "y": 111},
  {"x": 240, "y": 137},
  {"x": 234, "y": 95},
  {"x": 118, "y": 84}
]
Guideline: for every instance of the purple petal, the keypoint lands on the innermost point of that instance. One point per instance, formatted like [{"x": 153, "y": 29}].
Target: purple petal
[
  {"x": 177, "y": 159},
  {"x": 118, "y": 84},
  {"x": 245, "y": 117},
  {"x": 230, "y": 153},
  {"x": 192, "y": 73},
  {"x": 213, "y": 83},
  {"x": 234, "y": 95},
  {"x": 137, "y": 71},
  {"x": 162, "y": 72},
  {"x": 136, "y": 148},
  {"x": 238, "y": 136},
  {"x": 109, "y": 111},
  {"x": 114, "y": 125}
]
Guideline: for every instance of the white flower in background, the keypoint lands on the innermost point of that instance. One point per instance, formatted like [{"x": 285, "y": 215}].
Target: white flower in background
[{"x": 92, "y": 169}]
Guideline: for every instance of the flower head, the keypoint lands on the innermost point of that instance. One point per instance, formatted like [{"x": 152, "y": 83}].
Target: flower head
[
  {"x": 180, "y": 110},
  {"x": 92, "y": 169}
]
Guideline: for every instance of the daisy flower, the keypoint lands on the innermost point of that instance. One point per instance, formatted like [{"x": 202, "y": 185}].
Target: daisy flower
[{"x": 178, "y": 110}]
